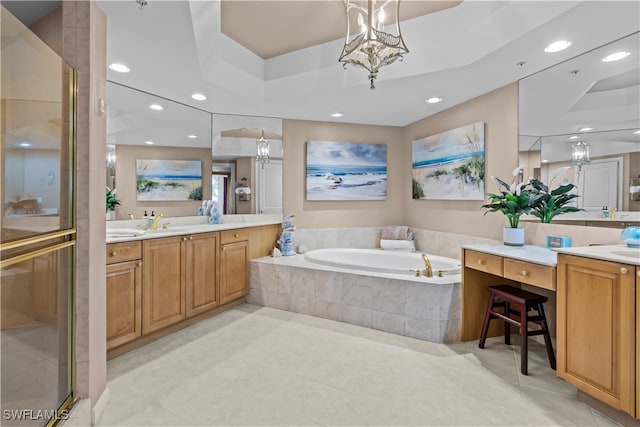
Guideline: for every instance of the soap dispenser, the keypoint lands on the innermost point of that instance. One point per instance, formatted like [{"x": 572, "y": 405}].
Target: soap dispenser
[{"x": 151, "y": 218}]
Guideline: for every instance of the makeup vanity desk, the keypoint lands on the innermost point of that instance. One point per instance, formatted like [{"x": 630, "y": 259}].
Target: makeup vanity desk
[{"x": 485, "y": 265}]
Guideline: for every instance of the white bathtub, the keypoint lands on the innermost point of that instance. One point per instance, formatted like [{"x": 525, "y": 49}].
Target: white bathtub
[{"x": 381, "y": 261}]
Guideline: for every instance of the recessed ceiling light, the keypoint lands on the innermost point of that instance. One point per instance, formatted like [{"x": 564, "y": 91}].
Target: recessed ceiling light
[
  {"x": 192, "y": 136},
  {"x": 336, "y": 115},
  {"x": 544, "y": 161},
  {"x": 573, "y": 137},
  {"x": 637, "y": 132},
  {"x": 199, "y": 97},
  {"x": 156, "y": 107},
  {"x": 149, "y": 142},
  {"x": 25, "y": 144},
  {"x": 617, "y": 56},
  {"x": 585, "y": 129},
  {"x": 434, "y": 100},
  {"x": 119, "y": 68},
  {"x": 557, "y": 46}
]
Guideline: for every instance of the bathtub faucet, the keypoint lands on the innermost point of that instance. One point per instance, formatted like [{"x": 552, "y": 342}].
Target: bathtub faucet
[{"x": 428, "y": 270}]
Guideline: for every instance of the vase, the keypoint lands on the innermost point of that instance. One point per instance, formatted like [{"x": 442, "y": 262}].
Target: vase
[
  {"x": 513, "y": 236},
  {"x": 111, "y": 215}
]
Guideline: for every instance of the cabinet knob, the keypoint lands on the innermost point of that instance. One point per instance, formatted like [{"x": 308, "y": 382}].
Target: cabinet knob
[
  {"x": 190, "y": 237},
  {"x": 638, "y": 273},
  {"x": 236, "y": 235},
  {"x": 114, "y": 253},
  {"x": 623, "y": 270},
  {"x": 184, "y": 238},
  {"x": 480, "y": 262},
  {"x": 140, "y": 264},
  {"x": 524, "y": 273}
]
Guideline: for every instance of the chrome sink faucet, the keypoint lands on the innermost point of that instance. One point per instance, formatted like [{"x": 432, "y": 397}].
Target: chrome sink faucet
[{"x": 428, "y": 270}]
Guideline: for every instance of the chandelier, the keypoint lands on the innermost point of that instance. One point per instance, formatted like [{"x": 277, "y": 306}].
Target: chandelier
[
  {"x": 263, "y": 149},
  {"x": 580, "y": 154},
  {"x": 367, "y": 43},
  {"x": 111, "y": 156}
]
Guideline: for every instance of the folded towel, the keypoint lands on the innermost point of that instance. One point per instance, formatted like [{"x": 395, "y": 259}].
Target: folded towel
[
  {"x": 398, "y": 245},
  {"x": 395, "y": 233},
  {"x": 124, "y": 232}
]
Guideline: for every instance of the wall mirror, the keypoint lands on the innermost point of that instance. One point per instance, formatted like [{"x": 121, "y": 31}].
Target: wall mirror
[
  {"x": 142, "y": 126},
  {"x": 594, "y": 98}
]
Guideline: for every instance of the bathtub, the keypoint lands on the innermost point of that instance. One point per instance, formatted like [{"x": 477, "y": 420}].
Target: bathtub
[{"x": 382, "y": 261}]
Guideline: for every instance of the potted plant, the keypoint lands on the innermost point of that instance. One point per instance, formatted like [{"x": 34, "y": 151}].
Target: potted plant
[
  {"x": 513, "y": 201},
  {"x": 112, "y": 202},
  {"x": 553, "y": 202}
]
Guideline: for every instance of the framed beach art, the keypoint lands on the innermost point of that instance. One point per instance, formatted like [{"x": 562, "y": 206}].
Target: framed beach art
[
  {"x": 346, "y": 171},
  {"x": 449, "y": 165},
  {"x": 163, "y": 180}
]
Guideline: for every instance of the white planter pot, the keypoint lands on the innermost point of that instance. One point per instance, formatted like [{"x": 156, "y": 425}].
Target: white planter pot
[
  {"x": 513, "y": 236},
  {"x": 111, "y": 215}
]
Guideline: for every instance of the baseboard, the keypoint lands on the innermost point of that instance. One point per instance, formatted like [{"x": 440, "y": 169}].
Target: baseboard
[
  {"x": 80, "y": 414},
  {"x": 618, "y": 416},
  {"x": 99, "y": 407}
]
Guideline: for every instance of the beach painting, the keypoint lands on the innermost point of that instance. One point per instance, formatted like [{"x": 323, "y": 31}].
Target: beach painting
[
  {"x": 161, "y": 180},
  {"x": 346, "y": 171},
  {"x": 449, "y": 165}
]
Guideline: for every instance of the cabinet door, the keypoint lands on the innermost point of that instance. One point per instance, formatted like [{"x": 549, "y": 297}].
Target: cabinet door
[
  {"x": 234, "y": 271},
  {"x": 596, "y": 329},
  {"x": 124, "y": 305},
  {"x": 201, "y": 269},
  {"x": 163, "y": 288}
]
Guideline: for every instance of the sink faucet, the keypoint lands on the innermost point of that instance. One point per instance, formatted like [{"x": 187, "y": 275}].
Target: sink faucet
[
  {"x": 428, "y": 270},
  {"x": 154, "y": 223}
]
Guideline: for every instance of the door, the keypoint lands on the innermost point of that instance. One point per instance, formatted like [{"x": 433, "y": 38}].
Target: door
[
  {"x": 124, "y": 304},
  {"x": 270, "y": 187},
  {"x": 162, "y": 283},
  {"x": 201, "y": 270},
  {"x": 234, "y": 271},
  {"x": 600, "y": 185}
]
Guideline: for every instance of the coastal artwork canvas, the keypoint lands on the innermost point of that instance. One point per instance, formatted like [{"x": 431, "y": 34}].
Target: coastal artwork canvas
[
  {"x": 162, "y": 180},
  {"x": 450, "y": 165},
  {"x": 346, "y": 171}
]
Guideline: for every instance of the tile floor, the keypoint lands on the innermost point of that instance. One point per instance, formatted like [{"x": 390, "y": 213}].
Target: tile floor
[{"x": 257, "y": 366}]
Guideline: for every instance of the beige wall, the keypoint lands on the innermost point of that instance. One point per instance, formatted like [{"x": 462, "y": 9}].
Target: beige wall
[
  {"x": 499, "y": 111},
  {"x": 322, "y": 214},
  {"x": 126, "y": 178}
]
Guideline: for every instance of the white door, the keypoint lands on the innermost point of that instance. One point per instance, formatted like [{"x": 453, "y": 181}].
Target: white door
[
  {"x": 270, "y": 187},
  {"x": 600, "y": 184}
]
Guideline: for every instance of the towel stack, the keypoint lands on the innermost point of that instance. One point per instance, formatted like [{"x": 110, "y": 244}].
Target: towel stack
[{"x": 398, "y": 238}]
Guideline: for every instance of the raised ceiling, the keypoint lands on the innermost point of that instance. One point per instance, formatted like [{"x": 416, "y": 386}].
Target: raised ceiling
[{"x": 272, "y": 28}]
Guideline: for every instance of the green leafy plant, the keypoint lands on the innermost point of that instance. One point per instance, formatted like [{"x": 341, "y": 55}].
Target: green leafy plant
[
  {"x": 112, "y": 201},
  {"x": 513, "y": 201},
  {"x": 196, "y": 193},
  {"x": 553, "y": 202}
]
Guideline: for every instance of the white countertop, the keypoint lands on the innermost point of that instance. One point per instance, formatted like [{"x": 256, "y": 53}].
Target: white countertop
[
  {"x": 535, "y": 254},
  {"x": 181, "y": 229},
  {"x": 615, "y": 253}
]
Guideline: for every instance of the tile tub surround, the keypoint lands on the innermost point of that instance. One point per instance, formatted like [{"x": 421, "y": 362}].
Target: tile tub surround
[{"x": 418, "y": 307}]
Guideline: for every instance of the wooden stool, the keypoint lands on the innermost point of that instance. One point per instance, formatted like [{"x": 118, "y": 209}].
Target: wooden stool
[{"x": 505, "y": 296}]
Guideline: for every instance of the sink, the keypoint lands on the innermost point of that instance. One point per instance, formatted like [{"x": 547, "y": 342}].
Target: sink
[{"x": 629, "y": 253}]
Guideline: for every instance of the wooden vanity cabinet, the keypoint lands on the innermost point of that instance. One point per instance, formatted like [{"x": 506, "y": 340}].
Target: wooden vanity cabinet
[
  {"x": 124, "y": 293},
  {"x": 234, "y": 264},
  {"x": 201, "y": 272},
  {"x": 597, "y": 327}
]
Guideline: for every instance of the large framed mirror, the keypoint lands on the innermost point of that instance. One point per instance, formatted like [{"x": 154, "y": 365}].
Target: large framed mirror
[
  {"x": 142, "y": 126},
  {"x": 593, "y": 98}
]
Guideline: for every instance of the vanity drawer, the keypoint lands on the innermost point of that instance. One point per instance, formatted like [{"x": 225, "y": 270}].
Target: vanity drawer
[
  {"x": 126, "y": 251},
  {"x": 237, "y": 235},
  {"x": 491, "y": 264},
  {"x": 531, "y": 274}
]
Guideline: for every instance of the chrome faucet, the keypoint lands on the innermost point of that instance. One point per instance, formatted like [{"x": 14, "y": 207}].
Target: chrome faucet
[
  {"x": 428, "y": 270},
  {"x": 154, "y": 223}
]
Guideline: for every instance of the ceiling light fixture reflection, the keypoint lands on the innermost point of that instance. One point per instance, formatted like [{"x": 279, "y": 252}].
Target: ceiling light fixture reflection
[
  {"x": 617, "y": 56},
  {"x": 119, "y": 68},
  {"x": 192, "y": 136},
  {"x": 199, "y": 97},
  {"x": 585, "y": 129},
  {"x": 149, "y": 142},
  {"x": 573, "y": 137},
  {"x": 557, "y": 46},
  {"x": 544, "y": 161},
  {"x": 336, "y": 115},
  {"x": 637, "y": 132},
  {"x": 156, "y": 107},
  {"x": 434, "y": 100},
  {"x": 25, "y": 144}
]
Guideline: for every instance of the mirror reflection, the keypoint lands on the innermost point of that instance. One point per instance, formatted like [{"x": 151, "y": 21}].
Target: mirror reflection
[
  {"x": 141, "y": 126},
  {"x": 595, "y": 99}
]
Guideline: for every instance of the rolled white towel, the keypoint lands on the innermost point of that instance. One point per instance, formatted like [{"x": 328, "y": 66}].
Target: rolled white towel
[
  {"x": 395, "y": 233},
  {"x": 124, "y": 232},
  {"x": 398, "y": 245}
]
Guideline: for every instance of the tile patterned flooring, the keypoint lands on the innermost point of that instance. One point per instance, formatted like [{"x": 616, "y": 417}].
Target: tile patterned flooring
[{"x": 257, "y": 366}]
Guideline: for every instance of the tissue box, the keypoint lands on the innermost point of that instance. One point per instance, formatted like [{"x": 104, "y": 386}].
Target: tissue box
[{"x": 554, "y": 241}]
